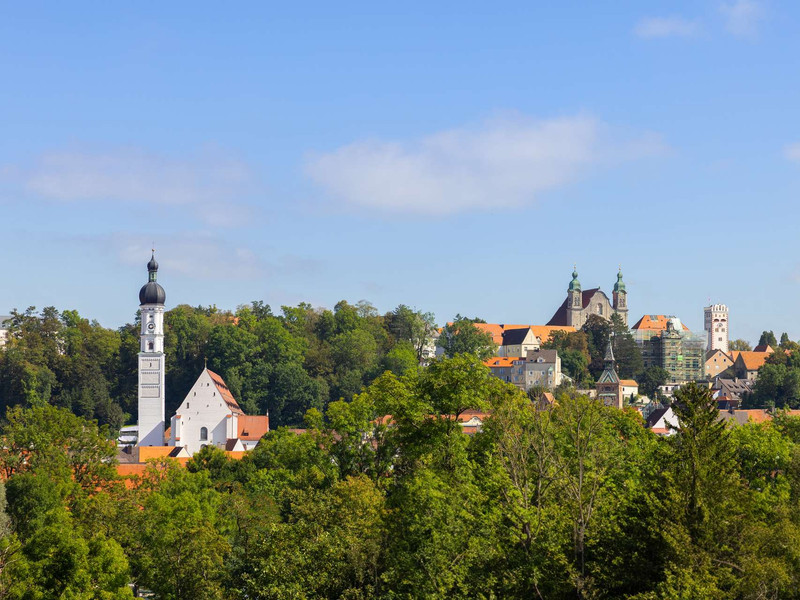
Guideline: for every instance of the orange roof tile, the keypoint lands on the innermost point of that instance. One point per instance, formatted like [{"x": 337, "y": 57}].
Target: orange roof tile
[
  {"x": 501, "y": 361},
  {"x": 253, "y": 427},
  {"x": 755, "y": 415},
  {"x": 654, "y": 322},
  {"x": 543, "y": 332},
  {"x": 225, "y": 392},
  {"x": 752, "y": 361},
  {"x": 628, "y": 383}
]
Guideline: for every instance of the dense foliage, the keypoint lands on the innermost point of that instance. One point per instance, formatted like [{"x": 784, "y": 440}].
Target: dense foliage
[
  {"x": 284, "y": 364},
  {"x": 384, "y": 496}
]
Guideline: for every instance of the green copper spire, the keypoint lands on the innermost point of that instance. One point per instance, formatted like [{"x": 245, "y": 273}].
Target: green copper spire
[
  {"x": 575, "y": 285},
  {"x": 620, "y": 285}
]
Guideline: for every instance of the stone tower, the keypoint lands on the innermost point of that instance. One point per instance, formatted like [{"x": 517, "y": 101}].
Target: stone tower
[
  {"x": 574, "y": 302},
  {"x": 151, "y": 360},
  {"x": 716, "y": 326},
  {"x": 620, "y": 298}
]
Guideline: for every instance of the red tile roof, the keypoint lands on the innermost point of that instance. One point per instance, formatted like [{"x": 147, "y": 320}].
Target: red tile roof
[
  {"x": 752, "y": 361},
  {"x": 253, "y": 427},
  {"x": 654, "y": 322},
  {"x": 501, "y": 361},
  {"x": 225, "y": 392}
]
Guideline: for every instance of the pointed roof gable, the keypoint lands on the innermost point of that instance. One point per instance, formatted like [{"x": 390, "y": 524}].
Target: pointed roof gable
[{"x": 223, "y": 390}]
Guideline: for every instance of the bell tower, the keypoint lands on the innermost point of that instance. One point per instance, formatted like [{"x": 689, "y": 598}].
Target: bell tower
[
  {"x": 574, "y": 301},
  {"x": 151, "y": 359},
  {"x": 620, "y": 300}
]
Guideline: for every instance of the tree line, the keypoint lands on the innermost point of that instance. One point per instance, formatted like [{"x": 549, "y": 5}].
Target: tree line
[
  {"x": 577, "y": 500},
  {"x": 284, "y": 364}
]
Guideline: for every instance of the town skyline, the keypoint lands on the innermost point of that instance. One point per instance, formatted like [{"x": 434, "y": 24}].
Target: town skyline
[{"x": 459, "y": 162}]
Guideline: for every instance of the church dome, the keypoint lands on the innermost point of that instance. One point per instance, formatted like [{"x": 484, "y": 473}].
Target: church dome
[
  {"x": 620, "y": 285},
  {"x": 152, "y": 292},
  {"x": 575, "y": 285}
]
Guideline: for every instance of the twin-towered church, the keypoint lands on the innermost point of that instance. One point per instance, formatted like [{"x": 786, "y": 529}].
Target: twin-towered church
[{"x": 209, "y": 415}]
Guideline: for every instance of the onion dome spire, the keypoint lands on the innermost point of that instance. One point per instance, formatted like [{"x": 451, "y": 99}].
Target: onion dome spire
[
  {"x": 152, "y": 292},
  {"x": 620, "y": 285},
  {"x": 575, "y": 285}
]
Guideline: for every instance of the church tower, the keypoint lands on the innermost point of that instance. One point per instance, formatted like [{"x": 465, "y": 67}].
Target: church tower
[
  {"x": 609, "y": 386},
  {"x": 574, "y": 302},
  {"x": 620, "y": 298},
  {"x": 151, "y": 360}
]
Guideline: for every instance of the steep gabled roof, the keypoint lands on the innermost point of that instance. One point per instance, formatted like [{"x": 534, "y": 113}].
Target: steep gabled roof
[
  {"x": 752, "y": 361},
  {"x": 513, "y": 337},
  {"x": 223, "y": 390}
]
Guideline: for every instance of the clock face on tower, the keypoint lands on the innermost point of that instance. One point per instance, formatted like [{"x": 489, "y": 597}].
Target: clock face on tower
[{"x": 151, "y": 326}]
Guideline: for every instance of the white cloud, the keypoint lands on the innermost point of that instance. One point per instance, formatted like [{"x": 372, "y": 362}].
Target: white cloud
[
  {"x": 503, "y": 163},
  {"x": 210, "y": 182},
  {"x": 199, "y": 255},
  {"x": 792, "y": 152},
  {"x": 661, "y": 27},
  {"x": 742, "y": 17}
]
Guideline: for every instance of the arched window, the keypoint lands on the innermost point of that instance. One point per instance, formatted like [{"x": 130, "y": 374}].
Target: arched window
[
  {"x": 203, "y": 433},
  {"x": 150, "y": 346}
]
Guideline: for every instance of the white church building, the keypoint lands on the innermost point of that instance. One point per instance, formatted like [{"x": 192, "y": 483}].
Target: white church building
[{"x": 209, "y": 415}]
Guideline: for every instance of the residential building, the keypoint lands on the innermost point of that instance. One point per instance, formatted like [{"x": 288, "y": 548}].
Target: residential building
[
  {"x": 665, "y": 342},
  {"x": 517, "y": 340},
  {"x": 579, "y": 304},
  {"x": 630, "y": 388},
  {"x": 748, "y": 363},
  {"x": 732, "y": 391},
  {"x": 538, "y": 368},
  {"x": 661, "y": 421},
  {"x": 717, "y": 362},
  {"x": 716, "y": 327}
]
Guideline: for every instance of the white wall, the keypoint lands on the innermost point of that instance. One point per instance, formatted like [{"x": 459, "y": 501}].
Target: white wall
[{"x": 202, "y": 407}]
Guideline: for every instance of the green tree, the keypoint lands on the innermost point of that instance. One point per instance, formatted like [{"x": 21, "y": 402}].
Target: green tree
[
  {"x": 739, "y": 345},
  {"x": 651, "y": 379},
  {"x": 768, "y": 338},
  {"x": 462, "y": 337}
]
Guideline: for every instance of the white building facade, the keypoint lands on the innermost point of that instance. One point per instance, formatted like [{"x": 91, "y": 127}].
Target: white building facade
[
  {"x": 210, "y": 416},
  {"x": 716, "y": 326},
  {"x": 151, "y": 360}
]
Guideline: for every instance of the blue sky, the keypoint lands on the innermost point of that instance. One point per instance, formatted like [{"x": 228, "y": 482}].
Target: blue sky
[{"x": 456, "y": 157}]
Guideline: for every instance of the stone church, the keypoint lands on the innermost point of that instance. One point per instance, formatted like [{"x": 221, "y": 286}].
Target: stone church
[{"x": 579, "y": 304}]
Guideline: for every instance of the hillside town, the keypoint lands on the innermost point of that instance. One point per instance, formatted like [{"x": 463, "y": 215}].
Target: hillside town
[{"x": 526, "y": 356}]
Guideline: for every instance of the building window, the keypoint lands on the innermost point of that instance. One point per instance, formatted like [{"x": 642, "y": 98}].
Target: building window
[
  {"x": 203, "y": 434},
  {"x": 150, "y": 346}
]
